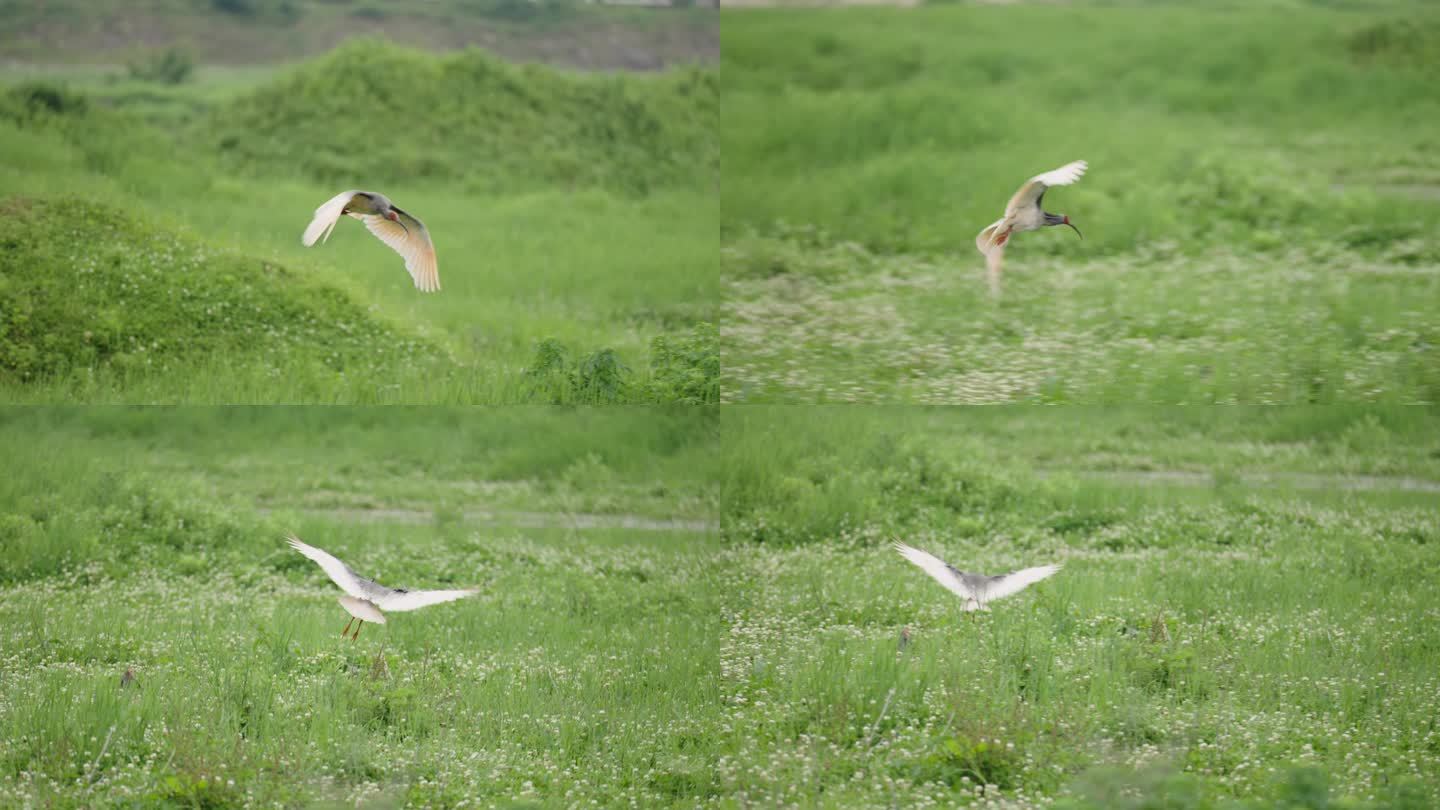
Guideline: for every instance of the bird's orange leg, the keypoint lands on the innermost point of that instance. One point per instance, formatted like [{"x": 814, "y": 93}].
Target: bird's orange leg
[
  {"x": 347, "y": 627},
  {"x": 357, "y": 630}
]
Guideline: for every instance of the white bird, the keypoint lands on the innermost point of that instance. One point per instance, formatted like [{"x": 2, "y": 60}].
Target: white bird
[
  {"x": 404, "y": 233},
  {"x": 367, "y": 598},
  {"x": 1024, "y": 213},
  {"x": 976, "y": 589}
]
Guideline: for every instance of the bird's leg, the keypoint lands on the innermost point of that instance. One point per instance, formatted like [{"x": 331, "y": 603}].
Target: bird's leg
[
  {"x": 357, "y": 630},
  {"x": 346, "y": 631}
]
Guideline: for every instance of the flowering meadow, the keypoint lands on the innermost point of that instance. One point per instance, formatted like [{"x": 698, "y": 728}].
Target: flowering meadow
[{"x": 684, "y": 607}]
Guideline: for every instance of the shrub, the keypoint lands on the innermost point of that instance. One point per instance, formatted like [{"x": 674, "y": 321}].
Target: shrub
[
  {"x": 173, "y": 65},
  {"x": 686, "y": 369},
  {"x": 598, "y": 378},
  {"x": 29, "y": 100}
]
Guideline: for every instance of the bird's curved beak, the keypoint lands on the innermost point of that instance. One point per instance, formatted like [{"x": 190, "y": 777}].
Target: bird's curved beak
[
  {"x": 1066, "y": 221},
  {"x": 395, "y": 218}
]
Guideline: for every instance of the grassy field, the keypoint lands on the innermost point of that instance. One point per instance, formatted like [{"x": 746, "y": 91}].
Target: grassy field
[
  {"x": 1259, "y": 216},
  {"x": 574, "y": 218},
  {"x": 152, "y": 541},
  {"x": 1209, "y": 644},
  {"x": 685, "y": 607}
]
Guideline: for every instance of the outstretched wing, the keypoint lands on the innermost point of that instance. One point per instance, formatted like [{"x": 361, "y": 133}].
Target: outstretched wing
[
  {"x": 1001, "y": 587},
  {"x": 326, "y": 216},
  {"x": 349, "y": 581},
  {"x": 937, "y": 569},
  {"x": 412, "y": 242},
  {"x": 1030, "y": 193},
  {"x": 410, "y": 600}
]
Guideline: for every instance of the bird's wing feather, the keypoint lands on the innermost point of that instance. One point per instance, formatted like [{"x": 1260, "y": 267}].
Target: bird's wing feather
[
  {"x": 936, "y": 568},
  {"x": 1063, "y": 176},
  {"x": 1018, "y": 581},
  {"x": 413, "y": 245},
  {"x": 326, "y": 216},
  {"x": 1030, "y": 193},
  {"x": 410, "y": 600},
  {"x": 342, "y": 575}
]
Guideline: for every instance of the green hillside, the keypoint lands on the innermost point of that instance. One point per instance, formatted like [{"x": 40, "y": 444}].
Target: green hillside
[
  {"x": 574, "y": 217},
  {"x": 84, "y": 285},
  {"x": 386, "y": 114}
]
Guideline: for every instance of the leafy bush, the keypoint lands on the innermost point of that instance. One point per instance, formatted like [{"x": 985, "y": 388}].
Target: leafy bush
[
  {"x": 597, "y": 378},
  {"x": 30, "y": 99},
  {"x": 172, "y": 65},
  {"x": 686, "y": 368}
]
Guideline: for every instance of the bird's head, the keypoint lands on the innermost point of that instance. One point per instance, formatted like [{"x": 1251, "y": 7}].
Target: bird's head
[
  {"x": 395, "y": 218},
  {"x": 1061, "y": 219}
]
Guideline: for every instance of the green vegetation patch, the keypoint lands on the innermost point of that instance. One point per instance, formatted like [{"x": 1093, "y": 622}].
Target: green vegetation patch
[
  {"x": 851, "y": 474},
  {"x": 1254, "y": 127},
  {"x": 1402, "y": 42},
  {"x": 86, "y": 285},
  {"x": 1259, "y": 213},
  {"x": 138, "y": 540},
  {"x": 1209, "y": 646},
  {"x": 385, "y": 113},
  {"x": 1320, "y": 326}
]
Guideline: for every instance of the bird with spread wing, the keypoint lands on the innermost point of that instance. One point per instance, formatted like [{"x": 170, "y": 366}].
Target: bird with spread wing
[
  {"x": 404, "y": 233},
  {"x": 1024, "y": 213},
  {"x": 365, "y": 599},
  {"x": 978, "y": 590}
]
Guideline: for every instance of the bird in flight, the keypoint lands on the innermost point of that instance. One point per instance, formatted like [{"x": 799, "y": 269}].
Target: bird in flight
[
  {"x": 978, "y": 590},
  {"x": 404, "y": 233},
  {"x": 1024, "y": 213},
  {"x": 366, "y": 598}
]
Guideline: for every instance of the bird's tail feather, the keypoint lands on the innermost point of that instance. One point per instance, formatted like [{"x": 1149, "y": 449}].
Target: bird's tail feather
[{"x": 985, "y": 240}]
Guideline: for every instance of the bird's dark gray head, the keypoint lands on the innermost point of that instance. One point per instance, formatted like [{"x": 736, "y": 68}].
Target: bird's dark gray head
[{"x": 1061, "y": 219}]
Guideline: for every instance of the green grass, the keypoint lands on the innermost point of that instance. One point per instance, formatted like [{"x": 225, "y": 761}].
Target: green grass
[
  {"x": 612, "y": 262},
  {"x": 1259, "y": 214},
  {"x": 142, "y": 539},
  {"x": 1226, "y": 646},
  {"x": 86, "y": 285},
  {"x": 380, "y": 112},
  {"x": 1261, "y": 634}
]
